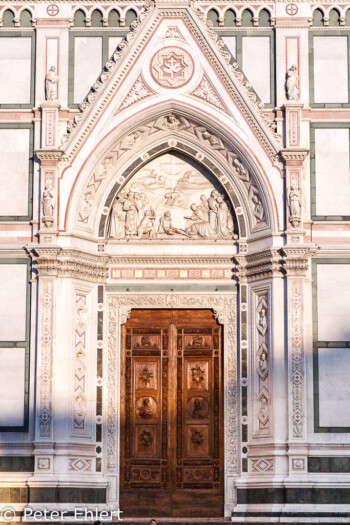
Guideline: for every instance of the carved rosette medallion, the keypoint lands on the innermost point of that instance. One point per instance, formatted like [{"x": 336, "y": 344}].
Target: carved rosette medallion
[{"x": 172, "y": 67}]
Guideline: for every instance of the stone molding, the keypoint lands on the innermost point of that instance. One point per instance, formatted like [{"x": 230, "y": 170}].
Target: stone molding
[
  {"x": 296, "y": 259},
  {"x": 164, "y": 259},
  {"x": 294, "y": 154},
  {"x": 119, "y": 306},
  {"x": 58, "y": 262},
  {"x": 288, "y": 260},
  {"x": 240, "y": 179},
  {"x": 49, "y": 154},
  {"x": 258, "y": 266}
]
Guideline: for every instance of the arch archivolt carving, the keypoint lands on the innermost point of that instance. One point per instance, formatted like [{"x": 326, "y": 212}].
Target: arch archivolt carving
[{"x": 209, "y": 147}]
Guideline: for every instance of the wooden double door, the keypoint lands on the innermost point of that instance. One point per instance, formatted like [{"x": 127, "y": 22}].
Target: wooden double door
[{"x": 171, "y": 414}]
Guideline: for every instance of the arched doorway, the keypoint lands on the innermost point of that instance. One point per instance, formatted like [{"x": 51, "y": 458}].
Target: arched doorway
[{"x": 171, "y": 453}]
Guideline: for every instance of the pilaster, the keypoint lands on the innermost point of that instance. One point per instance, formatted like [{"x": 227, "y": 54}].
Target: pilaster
[{"x": 296, "y": 261}]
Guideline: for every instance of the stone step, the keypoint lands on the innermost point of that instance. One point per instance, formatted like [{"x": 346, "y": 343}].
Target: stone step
[{"x": 178, "y": 521}]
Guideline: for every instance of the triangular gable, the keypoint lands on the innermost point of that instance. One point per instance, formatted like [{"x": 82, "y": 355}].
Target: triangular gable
[{"x": 126, "y": 57}]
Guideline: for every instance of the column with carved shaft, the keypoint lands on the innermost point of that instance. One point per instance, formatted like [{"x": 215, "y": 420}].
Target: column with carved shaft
[
  {"x": 263, "y": 372},
  {"x": 296, "y": 262},
  {"x": 44, "y": 435}
]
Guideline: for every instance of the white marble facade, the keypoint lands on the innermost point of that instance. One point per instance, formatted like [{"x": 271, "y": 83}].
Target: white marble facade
[{"x": 139, "y": 166}]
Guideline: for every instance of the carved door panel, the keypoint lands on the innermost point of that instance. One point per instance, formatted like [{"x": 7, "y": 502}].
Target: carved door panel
[{"x": 171, "y": 450}]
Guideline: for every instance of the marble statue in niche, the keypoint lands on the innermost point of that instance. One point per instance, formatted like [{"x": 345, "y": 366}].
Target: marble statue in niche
[
  {"x": 292, "y": 83},
  {"x": 169, "y": 199},
  {"x": 51, "y": 80},
  {"x": 49, "y": 204},
  {"x": 294, "y": 203}
]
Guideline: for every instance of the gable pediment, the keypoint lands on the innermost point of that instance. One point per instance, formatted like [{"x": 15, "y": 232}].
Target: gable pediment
[{"x": 170, "y": 54}]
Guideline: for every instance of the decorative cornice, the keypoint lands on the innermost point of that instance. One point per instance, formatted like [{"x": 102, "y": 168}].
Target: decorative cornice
[
  {"x": 259, "y": 266},
  {"x": 69, "y": 263},
  {"x": 49, "y": 154},
  {"x": 296, "y": 259},
  {"x": 294, "y": 154}
]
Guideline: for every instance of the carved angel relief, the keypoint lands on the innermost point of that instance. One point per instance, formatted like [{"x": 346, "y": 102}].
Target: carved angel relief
[{"x": 169, "y": 199}]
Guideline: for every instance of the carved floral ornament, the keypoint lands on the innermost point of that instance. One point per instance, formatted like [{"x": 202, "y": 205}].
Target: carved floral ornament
[
  {"x": 172, "y": 67},
  {"x": 172, "y": 188}
]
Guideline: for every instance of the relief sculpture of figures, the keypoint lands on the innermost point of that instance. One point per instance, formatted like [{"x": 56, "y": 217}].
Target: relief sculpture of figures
[
  {"x": 168, "y": 199},
  {"x": 51, "y": 80},
  {"x": 262, "y": 321},
  {"x": 292, "y": 83}
]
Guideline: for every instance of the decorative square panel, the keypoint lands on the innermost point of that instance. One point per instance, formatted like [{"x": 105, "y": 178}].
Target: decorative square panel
[
  {"x": 145, "y": 437},
  {"x": 198, "y": 342},
  {"x": 197, "y": 440},
  {"x": 146, "y": 341},
  {"x": 146, "y": 408},
  {"x": 146, "y": 375},
  {"x": 198, "y": 409},
  {"x": 197, "y": 374}
]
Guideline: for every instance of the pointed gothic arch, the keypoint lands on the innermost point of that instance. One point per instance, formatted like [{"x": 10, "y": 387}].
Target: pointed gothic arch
[{"x": 219, "y": 150}]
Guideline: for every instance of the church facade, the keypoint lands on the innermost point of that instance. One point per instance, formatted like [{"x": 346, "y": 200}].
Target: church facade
[{"x": 174, "y": 258}]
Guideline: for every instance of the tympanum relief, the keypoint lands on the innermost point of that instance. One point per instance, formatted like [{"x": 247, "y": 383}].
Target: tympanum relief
[{"x": 170, "y": 199}]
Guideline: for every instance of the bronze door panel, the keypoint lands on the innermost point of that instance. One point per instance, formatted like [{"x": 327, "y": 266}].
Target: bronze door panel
[{"x": 171, "y": 435}]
